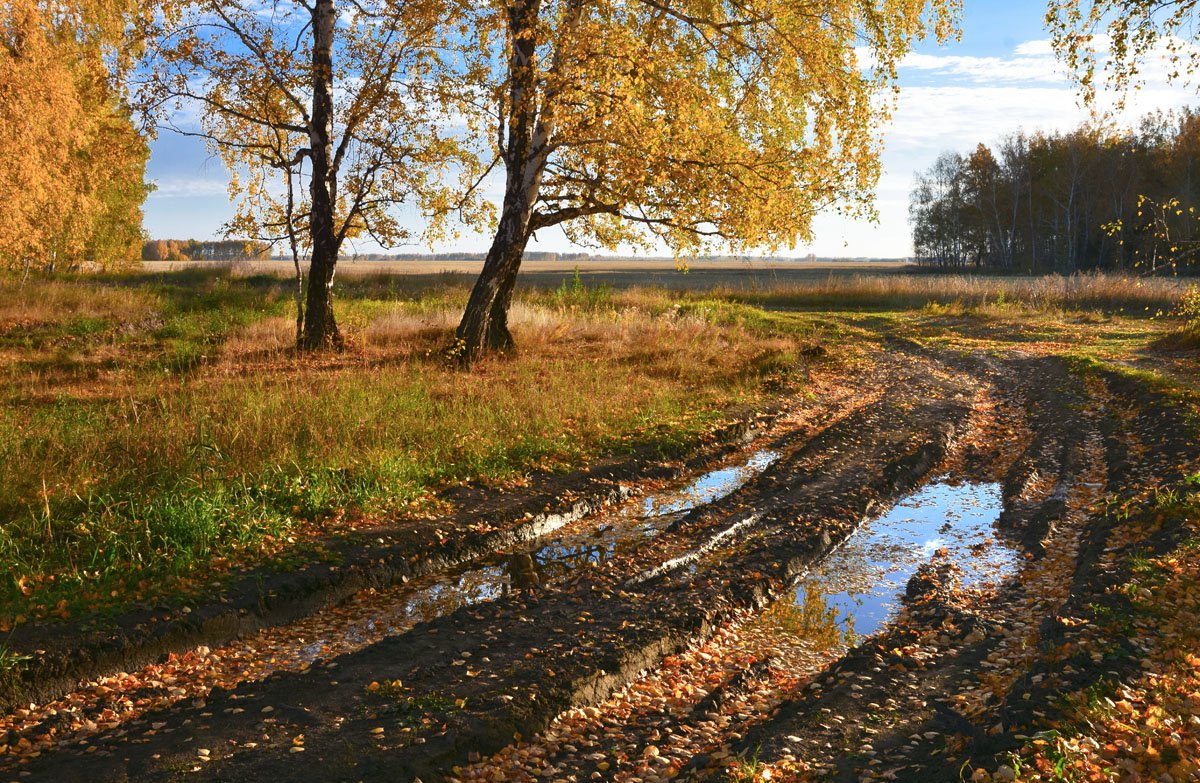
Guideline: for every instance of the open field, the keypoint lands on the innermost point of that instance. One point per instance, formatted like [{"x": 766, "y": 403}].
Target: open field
[
  {"x": 156, "y": 425},
  {"x": 172, "y": 403},
  {"x": 775, "y": 284},
  {"x": 619, "y": 273},
  {"x": 175, "y": 477}
]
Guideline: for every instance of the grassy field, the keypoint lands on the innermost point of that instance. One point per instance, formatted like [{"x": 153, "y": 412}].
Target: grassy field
[{"x": 157, "y": 429}]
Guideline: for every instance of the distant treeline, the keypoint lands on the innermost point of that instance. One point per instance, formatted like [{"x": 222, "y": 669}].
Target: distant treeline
[
  {"x": 204, "y": 250},
  {"x": 245, "y": 250},
  {"x": 552, "y": 257},
  {"x": 529, "y": 256},
  {"x": 1066, "y": 203}
]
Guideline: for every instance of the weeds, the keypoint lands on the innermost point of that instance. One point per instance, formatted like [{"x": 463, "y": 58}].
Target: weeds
[
  {"x": 10, "y": 661},
  {"x": 1187, "y": 309},
  {"x": 183, "y": 445},
  {"x": 158, "y": 430},
  {"x": 578, "y": 296},
  {"x": 749, "y": 769},
  {"x": 958, "y": 294},
  {"x": 1187, "y": 312}
]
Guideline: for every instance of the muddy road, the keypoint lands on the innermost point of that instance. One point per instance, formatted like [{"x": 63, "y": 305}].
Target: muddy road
[{"x": 867, "y": 583}]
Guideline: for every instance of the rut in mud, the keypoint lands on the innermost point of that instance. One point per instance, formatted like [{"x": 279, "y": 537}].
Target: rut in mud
[
  {"x": 373, "y": 555},
  {"x": 375, "y": 614},
  {"x": 662, "y": 642}
]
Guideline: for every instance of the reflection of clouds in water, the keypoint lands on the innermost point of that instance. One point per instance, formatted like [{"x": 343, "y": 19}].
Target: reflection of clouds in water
[
  {"x": 710, "y": 487},
  {"x": 863, "y": 578},
  {"x": 397, "y": 609},
  {"x": 927, "y": 549}
]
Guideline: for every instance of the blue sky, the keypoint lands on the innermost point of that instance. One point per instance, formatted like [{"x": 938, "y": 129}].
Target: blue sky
[{"x": 1000, "y": 77}]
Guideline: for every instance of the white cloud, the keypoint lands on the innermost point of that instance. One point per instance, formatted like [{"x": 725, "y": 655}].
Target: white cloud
[
  {"x": 950, "y": 101},
  {"x": 1039, "y": 48},
  {"x": 864, "y": 57},
  {"x": 960, "y": 101},
  {"x": 1033, "y": 60},
  {"x": 944, "y": 117},
  {"x": 986, "y": 69},
  {"x": 174, "y": 187}
]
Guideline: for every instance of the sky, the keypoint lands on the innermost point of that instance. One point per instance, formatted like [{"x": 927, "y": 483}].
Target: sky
[{"x": 999, "y": 77}]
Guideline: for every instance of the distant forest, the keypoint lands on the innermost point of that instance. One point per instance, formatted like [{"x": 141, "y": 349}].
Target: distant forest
[
  {"x": 1065, "y": 203},
  {"x": 557, "y": 257},
  {"x": 245, "y": 250},
  {"x": 204, "y": 250}
]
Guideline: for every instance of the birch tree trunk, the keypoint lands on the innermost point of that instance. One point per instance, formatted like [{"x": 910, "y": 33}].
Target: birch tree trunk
[
  {"x": 320, "y": 328},
  {"x": 484, "y": 324}
]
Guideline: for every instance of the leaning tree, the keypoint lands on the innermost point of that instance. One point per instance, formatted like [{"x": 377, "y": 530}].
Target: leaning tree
[
  {"x": 327, "y": 113},
  {"x": 681, "y": 123}
]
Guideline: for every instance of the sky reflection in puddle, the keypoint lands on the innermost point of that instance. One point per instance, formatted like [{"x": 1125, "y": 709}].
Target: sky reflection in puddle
[
  {"x": 710, "y": 487},
  {"x": 857, "y": 588},
  {"x": 371, "y": 615},
  {"x": 393, "y": 610}
]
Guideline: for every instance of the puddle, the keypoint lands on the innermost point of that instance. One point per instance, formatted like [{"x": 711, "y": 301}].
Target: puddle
[
  {"x": 372, "y": 615},
  {"x": 857, "y": 589},
  {"x": 597, "y": 539},
  {"x": 708, "y": 488}
]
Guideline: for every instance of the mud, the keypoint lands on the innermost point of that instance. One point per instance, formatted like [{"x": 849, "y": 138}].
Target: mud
[
  {"x": 954, "y": 674},
  {"x": 908, "y": 700},
  {"x": 62, "y": 655},
  {"x": 576, "y": 641}
]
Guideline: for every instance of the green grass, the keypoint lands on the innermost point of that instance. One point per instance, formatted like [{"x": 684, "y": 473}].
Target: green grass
[
  {"x": 182, "y": 437},
  {"x": 158, "y": 430},
  {"x": 10, "y": 660}
]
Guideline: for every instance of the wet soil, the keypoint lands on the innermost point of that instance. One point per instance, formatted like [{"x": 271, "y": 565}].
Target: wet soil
[
  {"x": 482, "y": 521},
  {"x": 963, "y": 678},
  {"x": 676, "y": 610}
]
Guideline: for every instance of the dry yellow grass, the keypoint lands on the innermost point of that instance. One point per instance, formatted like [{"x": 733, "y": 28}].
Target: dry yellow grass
[
  {"x": 196, "y": 432},
  {"x": 171, "y": 420},
  {"x": 56, "y": 300},
  {"x": 1045, "y": 294}
]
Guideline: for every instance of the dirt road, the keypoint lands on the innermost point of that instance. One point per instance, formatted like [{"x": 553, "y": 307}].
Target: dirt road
[{"x": 633, "y": 645}]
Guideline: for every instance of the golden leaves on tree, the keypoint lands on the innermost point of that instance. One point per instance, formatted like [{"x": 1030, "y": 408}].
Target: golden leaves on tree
[{"x": 72, "y": 167}]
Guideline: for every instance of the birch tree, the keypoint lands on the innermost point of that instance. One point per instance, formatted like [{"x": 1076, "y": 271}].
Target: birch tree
[
  {"x": 1108, "y": 42},
  {"x": 327, "y": 115},
  {"x": 71, "y": 160},
  {"x": 687, "y": 124}
]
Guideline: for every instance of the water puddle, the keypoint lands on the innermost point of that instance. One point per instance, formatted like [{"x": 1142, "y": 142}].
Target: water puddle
[
  {"x": 374, "y": 614},
  {"x": 615, "y": 533},
  {"x": 708, "y": 488},
  {"x": 857, "y": 589}
]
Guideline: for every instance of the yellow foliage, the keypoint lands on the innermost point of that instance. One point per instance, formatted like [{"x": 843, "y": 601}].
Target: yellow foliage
[
  {"x": 72, "y": 168},
  {"x": 1132, "y": 31},
  {"x": 690, "y": 122},
  {"x": 253, "y": 80}
]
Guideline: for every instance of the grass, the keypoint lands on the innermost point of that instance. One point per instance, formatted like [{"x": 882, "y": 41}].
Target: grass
[
  {"x": 10, "y": 660},
  {"x": 966, "y": 293},
  {"x": 178, "y": 436},
  {"x": 157, "y": 431}
]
